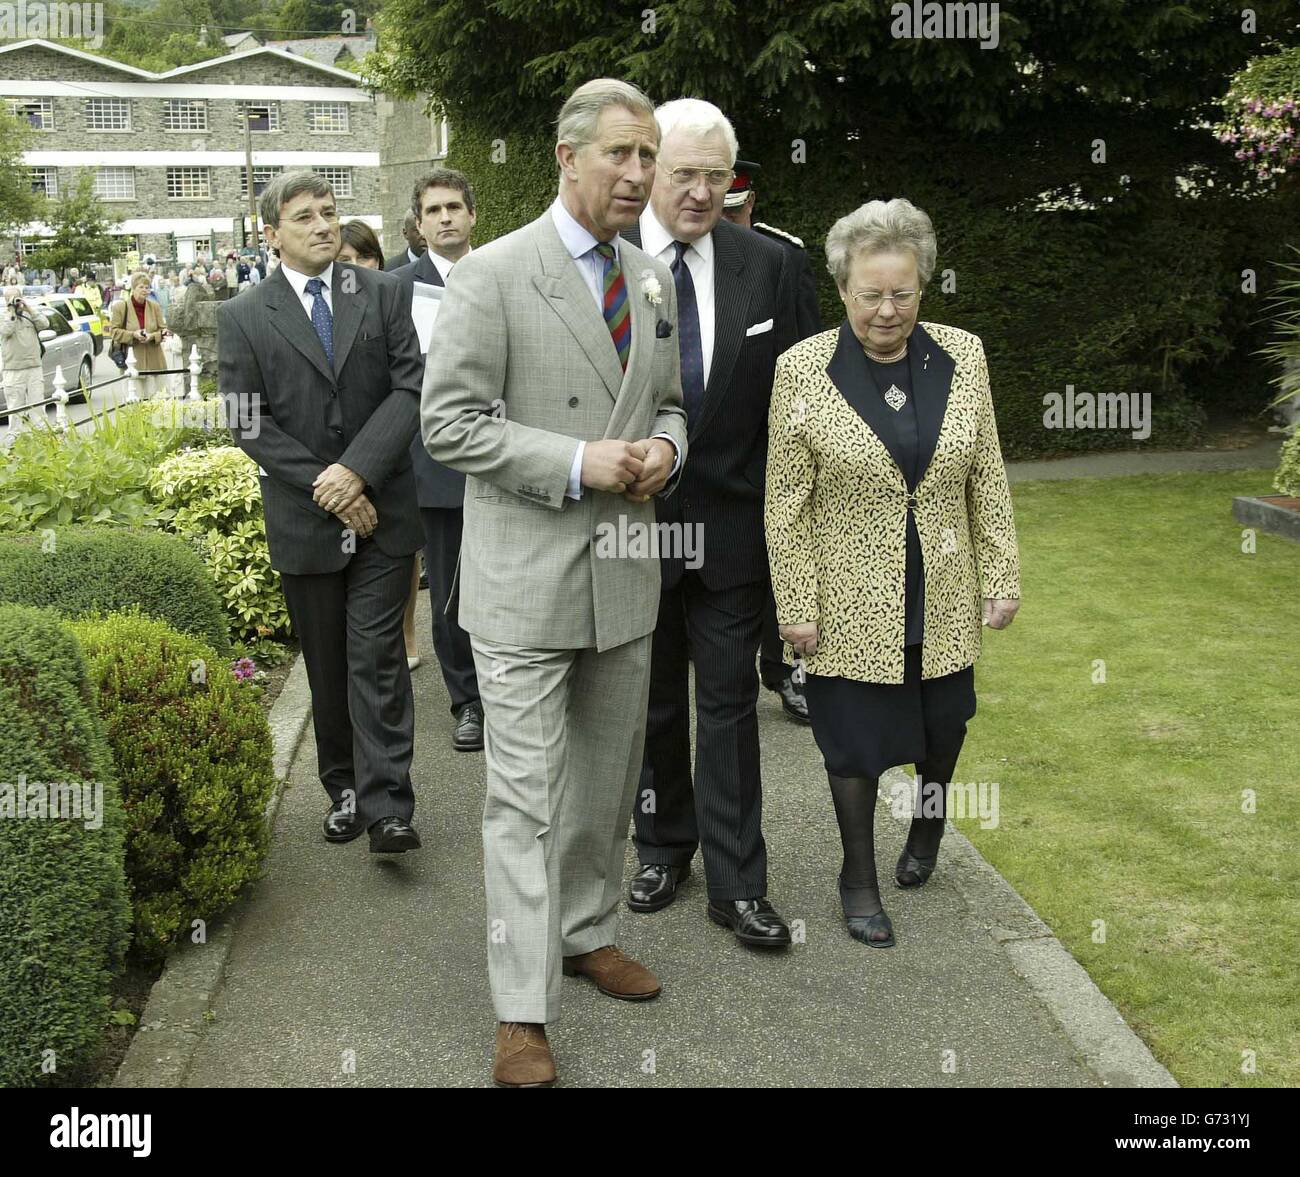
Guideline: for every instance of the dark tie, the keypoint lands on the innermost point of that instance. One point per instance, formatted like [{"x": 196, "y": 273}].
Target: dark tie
[
  {"x": 321, "y": 318},
  {"x": 618, "y": 316},
  {"x": 688, "y": 333}
]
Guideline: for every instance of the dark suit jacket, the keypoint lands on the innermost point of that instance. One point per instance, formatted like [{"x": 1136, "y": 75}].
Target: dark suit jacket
[
  {"x": 436, "y": 485},
  {"x": 808, "y": 316},
  {"x": 296, "y": 416},
  {"x": 721, "y": 488},
  {"x": 398, "y": 260}
]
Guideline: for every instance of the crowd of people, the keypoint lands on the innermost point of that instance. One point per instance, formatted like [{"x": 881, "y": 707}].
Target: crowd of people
[{"x": 632, "y": 363}]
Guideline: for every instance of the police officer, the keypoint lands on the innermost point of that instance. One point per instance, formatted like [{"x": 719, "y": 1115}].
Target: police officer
[{"x": 738, "y": 208}]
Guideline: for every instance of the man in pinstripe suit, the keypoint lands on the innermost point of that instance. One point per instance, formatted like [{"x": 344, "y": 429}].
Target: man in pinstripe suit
[
  {"x": 736, "y": 314},
  {"x": 552, "y": 383}
]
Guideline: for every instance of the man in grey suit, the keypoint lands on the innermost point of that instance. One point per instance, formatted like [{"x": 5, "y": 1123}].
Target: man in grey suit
[
  {"x": 322, "y": 363},
  {"x": 443, "y": 203},
  {"x": 554, "y": 384}
]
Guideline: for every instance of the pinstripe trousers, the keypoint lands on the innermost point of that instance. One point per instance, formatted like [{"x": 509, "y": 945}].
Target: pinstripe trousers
[{"x": 563, "y": 735}]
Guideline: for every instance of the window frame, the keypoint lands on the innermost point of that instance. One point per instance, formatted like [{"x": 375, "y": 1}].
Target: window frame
[
  {"x": 128, "y": 171},
  {"x": 100, "y": 104},
  {"x": 273, "y": 119},
  {"x": 173, "y": 171},
  {"x": 342, "y": 107},
  {"x": 179, "y": 106},
  {"x": 51, "y": 173},
  {"x": 328, "y": 172},
  {"x": 14, "y": 106}
]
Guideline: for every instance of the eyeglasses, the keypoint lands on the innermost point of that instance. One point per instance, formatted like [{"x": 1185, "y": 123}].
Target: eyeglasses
[
  {"x": 870, "y": 300},
  {"x": 690, "y": 177}
]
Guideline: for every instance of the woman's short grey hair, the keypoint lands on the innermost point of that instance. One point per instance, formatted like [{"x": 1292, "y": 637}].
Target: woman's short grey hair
[
  {"x": 881, "y": 226},
  {"x": 581, "y": 111},
  {"x": 284, "y": 188},
  {"x": 696, "y": 117}
]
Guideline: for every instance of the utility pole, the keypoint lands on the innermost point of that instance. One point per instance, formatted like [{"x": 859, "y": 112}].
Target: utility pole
[{"x": 252, "y": 195}]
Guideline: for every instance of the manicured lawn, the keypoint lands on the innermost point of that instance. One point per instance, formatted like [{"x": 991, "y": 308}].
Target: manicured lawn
[{"x": 1122, "y": 800}]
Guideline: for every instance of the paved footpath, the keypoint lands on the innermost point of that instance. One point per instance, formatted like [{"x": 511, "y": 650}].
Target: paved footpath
[{"x": 346, "y": 969}]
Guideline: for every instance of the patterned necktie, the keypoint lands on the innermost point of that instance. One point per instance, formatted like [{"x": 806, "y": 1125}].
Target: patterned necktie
[
  {"x": 688, "y": 333},
  {"x": 618, "y": 316},
  {"x": 321, "y": 318}
]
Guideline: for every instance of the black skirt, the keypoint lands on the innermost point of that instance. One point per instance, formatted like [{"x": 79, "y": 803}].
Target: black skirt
[{"x": 863, "y": 728}]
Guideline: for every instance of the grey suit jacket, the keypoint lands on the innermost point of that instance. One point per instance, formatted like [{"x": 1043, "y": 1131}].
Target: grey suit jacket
[
  {"x": 436, "y": 485},
  {"x": 524, "y": 369},
  {"x": 296, "y": 416}
]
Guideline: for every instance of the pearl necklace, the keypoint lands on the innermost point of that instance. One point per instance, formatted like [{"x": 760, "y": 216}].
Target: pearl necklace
[{"x": 902, "y": 351}]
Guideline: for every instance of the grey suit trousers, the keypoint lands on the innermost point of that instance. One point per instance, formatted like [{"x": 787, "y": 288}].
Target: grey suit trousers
[{"x": 564, "y": 734}]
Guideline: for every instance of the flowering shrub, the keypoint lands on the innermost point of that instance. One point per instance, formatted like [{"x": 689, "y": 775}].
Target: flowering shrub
[{"x": 1263, "y": 114}]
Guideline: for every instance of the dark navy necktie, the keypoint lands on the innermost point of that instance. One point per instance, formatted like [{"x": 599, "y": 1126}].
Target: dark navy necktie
[
  {"x": 321, "y": 318},
  {"x": 688, "y": 333}
]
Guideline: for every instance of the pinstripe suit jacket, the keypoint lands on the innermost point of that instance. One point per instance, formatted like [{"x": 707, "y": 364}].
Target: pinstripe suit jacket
[{"x": 522, "y": 366}]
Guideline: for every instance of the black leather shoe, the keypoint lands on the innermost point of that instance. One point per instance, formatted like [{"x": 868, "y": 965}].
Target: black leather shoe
[
  {"x": 655, "y": 885},
  {"x": 392, "y": 835},
  {"x": 873, "y": 930},
  {"x": 754, "y": 921},
  {"x": 468, "y": 736},
  {"x": 342, "y": 824},
  {"x": 793, "y": 702},
  {"x": 913, "y": 870}
]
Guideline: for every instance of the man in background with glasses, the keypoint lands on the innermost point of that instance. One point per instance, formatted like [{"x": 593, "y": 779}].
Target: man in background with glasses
[{"x": 735, "y": 307}]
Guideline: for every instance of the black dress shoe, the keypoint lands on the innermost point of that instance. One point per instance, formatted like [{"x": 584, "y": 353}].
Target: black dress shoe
[
  {"x": 754, "y": 921},
  {"x": 793, "y": 701},
  {"x": 913, "y": 869},
  {"x": 342, "y": 823},
  {"x": 468, "y": 736},
  {"x": 392, "y": 835},
  {"x": 655, "y": 885}
]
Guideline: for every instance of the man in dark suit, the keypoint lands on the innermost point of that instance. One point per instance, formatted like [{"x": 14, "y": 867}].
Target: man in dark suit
[
  {"x": 738, "y": 208},
  {"x": 443, "y": 204},
  {"x": 322, "y": 363},
  {"x": 415, "y": 245},
  {"x": 735, "y": 307}
]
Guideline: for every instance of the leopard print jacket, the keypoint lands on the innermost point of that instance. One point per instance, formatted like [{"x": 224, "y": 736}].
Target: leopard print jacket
[{"x": 836, "y": 514}]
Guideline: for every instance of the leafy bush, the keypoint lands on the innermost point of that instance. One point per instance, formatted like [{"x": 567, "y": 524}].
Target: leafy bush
[
  {"x": 97, "y": 473},
  {"x": 64, "y": 914},
  {"x": 81, "y": 570},
  {"x": 1287, "y": 481},
  {"x": 193, "y": 752},
  {"x": 212, "y": 497}
]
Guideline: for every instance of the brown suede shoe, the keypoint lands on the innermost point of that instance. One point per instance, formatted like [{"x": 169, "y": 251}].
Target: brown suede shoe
[
  {"x": 616, "y": 974},
  {"x": 523, "y": 1056}
]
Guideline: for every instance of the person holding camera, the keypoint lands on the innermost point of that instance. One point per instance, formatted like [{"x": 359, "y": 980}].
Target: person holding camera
[{"x": 20, "y": 349}]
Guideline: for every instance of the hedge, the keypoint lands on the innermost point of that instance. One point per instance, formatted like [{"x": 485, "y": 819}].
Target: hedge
[
  {"x": 64, "y": 914},
  {"x": 83, "y": 570},
  {"x": 193, "y": 751}
]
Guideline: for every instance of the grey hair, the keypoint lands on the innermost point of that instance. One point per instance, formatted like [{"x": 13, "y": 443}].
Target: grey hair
[
  {"x": 696, "y": 117},
  {"x": 576, "y": 124},
  {"x": 136, "y": 276},
  {"x": 284, "y": 188},
  {"x": 881, "y": 226}
]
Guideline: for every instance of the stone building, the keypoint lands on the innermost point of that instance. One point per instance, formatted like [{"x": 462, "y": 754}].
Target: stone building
[
  {"x": 168, "y": 150},
  {"x": 410, "y": 144}
]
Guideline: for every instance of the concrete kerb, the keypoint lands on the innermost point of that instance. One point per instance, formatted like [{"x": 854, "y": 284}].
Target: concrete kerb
[
  {"x": 1105, "y": 1041},
  {"x": 174, "y": 1017}
]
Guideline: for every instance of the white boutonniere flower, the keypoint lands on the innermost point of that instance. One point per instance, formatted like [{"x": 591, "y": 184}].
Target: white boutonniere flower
[{"x": 650, "y": 287}]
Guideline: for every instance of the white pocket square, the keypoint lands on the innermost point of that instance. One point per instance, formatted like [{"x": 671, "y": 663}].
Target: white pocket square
[{"x": 759, "y": 328}]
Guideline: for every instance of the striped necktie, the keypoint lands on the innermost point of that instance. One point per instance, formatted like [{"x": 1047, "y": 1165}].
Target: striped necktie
[{"x": 618, "y": 316}]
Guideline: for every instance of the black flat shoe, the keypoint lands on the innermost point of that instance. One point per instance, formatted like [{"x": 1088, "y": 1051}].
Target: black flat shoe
[
  {"x": 392, "y": 835},
  {"x": 912, "y": 871},
  {"x": 342, "y": 824},
  {"x": 793, "y": 702},
  {"x": 468, "y": 735},
  {"x": 655, "y": 885},
  {"x": 754, "y": 921}
]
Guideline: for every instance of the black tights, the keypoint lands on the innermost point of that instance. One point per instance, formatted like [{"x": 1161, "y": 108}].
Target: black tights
[{"x": 855, "y": 810}]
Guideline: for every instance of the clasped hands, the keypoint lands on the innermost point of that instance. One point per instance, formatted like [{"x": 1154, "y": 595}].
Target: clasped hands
[
  {"x": 998, "y": 614},
  {"x": 339, "y": 491},
  {"x": 637, "y": 470}
]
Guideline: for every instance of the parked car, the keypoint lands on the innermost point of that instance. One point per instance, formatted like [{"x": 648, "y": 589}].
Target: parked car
[
  {"x": 78, "y": 311},
  {"x": 66, "y": 348}
]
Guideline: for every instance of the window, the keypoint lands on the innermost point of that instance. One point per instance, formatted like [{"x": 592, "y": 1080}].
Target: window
[
  {"x": 340, "y": 180},
  {"x": 58, "y": 324},
  {"x": 108, "y": 114},
  {"x": 261, "y": 116},
  {"x": 45, "y": 180},
  {"x": 327, "y": 118},
  {"x": 33, "y": 245},
  {"x": 115, "y": 183},
  {"x": 203, "y": 245},
  {"x": 261, "y": 178},
  {"x": 189, "y": 184},
  {"x": 185, "y": 114},
  {"x": 39, "y": 112},
  {"x": 129, "y": 243}
]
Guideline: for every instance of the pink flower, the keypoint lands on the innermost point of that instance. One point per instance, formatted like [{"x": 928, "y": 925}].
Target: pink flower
[{"x": 244, "y": 669}]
